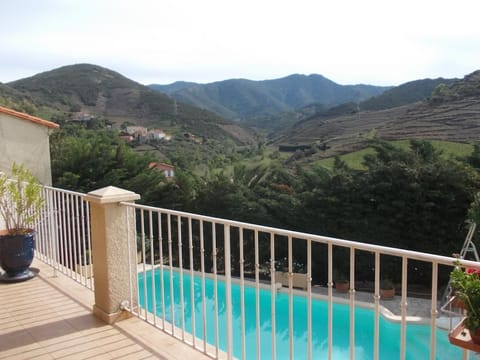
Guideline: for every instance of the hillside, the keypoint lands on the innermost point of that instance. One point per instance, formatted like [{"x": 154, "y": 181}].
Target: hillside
[
  {"x": 103, "y": 92},
  {"x": 243, "y": 99},
  {"x": 454, "y": 117},
  {"x": 404, "y": 94}
]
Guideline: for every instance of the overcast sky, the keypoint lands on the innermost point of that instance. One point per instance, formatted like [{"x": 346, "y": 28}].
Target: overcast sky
[{"x": 161, "y": 41}]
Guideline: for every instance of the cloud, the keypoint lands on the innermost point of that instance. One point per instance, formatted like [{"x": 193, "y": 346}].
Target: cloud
[{"x": 161, "y": 41}]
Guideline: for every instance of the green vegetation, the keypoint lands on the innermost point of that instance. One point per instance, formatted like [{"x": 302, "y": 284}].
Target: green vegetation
[
  {"x": 355, "y": 159},
  {"x": 21, "y": 200},
  {"x": 408, "y": 194}
]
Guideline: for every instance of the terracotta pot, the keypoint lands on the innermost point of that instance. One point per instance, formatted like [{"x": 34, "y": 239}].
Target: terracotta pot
[
  {"x": 458, "y": 303},
  {"x": 475, "y": 335},
  {"x": 342, "y": 286},
  {"x": 387, "y": 294}
]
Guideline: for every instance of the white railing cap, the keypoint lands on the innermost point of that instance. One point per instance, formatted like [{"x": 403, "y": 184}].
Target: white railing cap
[{"x": 111, "y": 194}]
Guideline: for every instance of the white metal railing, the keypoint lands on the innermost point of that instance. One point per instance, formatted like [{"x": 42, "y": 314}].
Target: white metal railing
[
  {"x": 63, "y": 234},
  {"x": 194, "y": 249}
]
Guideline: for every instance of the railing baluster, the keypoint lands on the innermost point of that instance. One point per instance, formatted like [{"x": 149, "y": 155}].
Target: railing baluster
[
  {"x": 330, "y": 300},
  {"x": 152, "y": 263},
  {"x": 403, "y": 331},
  {"x": 228, "y": 290},
  {"x": 180, "y": 268},
  {"x": 129, "y": 247},
  {"x": 257, "y": 296},
  {"x": 69, "y": 237},
  {"x": 309, "y": 297},
  {"x": 192, "y": 281},
  {"x": 376, "y": 297},
  {"x": 215, "y": 284},
  {"x": 242, "y": 294},
  {"x": 144, "y": 260},
  {"x": 352, "y": 303},
  {"x": 64, "y": 242},
  {"x": 433, "y": 311},
  {"x": 204, "y": 305},
  {"x": 290, "y": 298},
  {"x": 170, "y": 265},
  {"x": 77, "y": 246},
  {"x": 273, "y": 295},
  {"x": 162, "y": 282},
  {"x": 89, "y": 240}
]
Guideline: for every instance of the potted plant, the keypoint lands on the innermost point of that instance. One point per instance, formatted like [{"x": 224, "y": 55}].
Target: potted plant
[
  {"x": 467, "y": 287},
  {"x": 342, "y": 285},
  {"x": 387, "y": 289},
  {"x": 21, "y": 202}
]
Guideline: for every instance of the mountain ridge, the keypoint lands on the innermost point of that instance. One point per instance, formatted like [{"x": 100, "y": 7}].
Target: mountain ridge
[
  {"x": 104, "y": 92},
  {"x": 242, "y": 98}
]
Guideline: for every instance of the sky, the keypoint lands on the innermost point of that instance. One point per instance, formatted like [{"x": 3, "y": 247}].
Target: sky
[{"x": 377, "y": 42}]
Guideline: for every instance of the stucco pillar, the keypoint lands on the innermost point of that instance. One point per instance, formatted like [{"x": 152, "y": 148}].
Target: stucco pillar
[{"x": 110, "y": 235}]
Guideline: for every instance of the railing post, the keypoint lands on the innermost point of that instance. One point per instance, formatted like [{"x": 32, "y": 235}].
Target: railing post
[{"x": 112, "y": 273}]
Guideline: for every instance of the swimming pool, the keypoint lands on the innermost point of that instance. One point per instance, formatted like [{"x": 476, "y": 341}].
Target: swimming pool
[{"x": 417, "y": 336}]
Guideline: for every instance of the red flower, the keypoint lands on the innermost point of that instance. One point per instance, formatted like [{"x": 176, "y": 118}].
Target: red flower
[{"x": 472, "y": 271}]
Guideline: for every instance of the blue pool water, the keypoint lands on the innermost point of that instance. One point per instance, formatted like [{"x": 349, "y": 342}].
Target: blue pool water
[{"x": 418, "y": 336}]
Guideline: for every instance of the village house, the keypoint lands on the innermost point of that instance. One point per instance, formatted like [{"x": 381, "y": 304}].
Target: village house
[
  {"x": 139, "y": 133},
  {"x": 156, "y": 134},
  {"x": 82, "y": 117},
  {"x": 167, "y": 169}
]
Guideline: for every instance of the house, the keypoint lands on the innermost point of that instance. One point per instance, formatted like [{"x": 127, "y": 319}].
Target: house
[
  {"x": 24, "y": 139},
  {"x": 126, "y": 137},
  {"x": 156, "y": 134},
  {"x": 82, "y": 117},
  {"x": 167, "y": 169},
  {"x": 137, "y": 131}
]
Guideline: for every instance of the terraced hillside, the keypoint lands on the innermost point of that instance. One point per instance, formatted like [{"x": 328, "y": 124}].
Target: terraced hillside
[{"x": 454, "y": 120}]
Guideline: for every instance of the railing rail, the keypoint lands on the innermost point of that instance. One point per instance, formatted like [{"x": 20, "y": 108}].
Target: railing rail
[
  {"x": 63, "y": 238},
  {"x": 189, "y": 249}
]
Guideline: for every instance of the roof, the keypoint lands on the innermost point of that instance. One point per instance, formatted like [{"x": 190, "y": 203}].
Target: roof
[
  {"x": 160, "y": 166},
  {"x": 31, "y": 118}
]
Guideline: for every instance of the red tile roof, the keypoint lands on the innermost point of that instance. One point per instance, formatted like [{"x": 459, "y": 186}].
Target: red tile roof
[
  {"x": 31, "y": 118},
  {"x": 160, "y": 166}
]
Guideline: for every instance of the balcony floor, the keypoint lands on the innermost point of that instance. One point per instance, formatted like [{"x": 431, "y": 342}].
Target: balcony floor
[{"x": 49, "y": 317}]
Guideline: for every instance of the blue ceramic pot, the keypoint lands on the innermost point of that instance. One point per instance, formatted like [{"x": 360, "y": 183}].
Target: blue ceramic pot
[{"x": 16, "y": 254}]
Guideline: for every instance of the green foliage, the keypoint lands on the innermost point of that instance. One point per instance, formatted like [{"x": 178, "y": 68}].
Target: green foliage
[
  {"x": 85, "y": 160},
  {"x": 21, "y": 200},
  {"x": 446, "y": 149},
  {"x": 412, "y": 197},
  {"x": 467, "y": 288}
]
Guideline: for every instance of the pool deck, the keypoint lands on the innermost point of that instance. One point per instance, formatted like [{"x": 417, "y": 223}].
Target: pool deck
[
  {"x": 50, "y": 317},
  {"x": 418, "y": 309}
]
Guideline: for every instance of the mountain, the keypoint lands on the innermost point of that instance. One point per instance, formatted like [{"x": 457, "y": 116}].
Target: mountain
[
  {"x": 451, "y": 113},
  {"x": 404, "y": 94},
  {"x": 241, "y": 99},
  {"x": 103, "y": 92}
]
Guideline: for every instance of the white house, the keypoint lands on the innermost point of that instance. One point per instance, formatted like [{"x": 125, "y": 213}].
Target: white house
[{"x": 167, "y": 169}]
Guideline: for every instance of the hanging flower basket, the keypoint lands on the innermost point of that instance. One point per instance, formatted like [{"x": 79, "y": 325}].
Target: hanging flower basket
[
  {"x": 461, "y": 336},
  {"x": 467, "y": 290}
]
